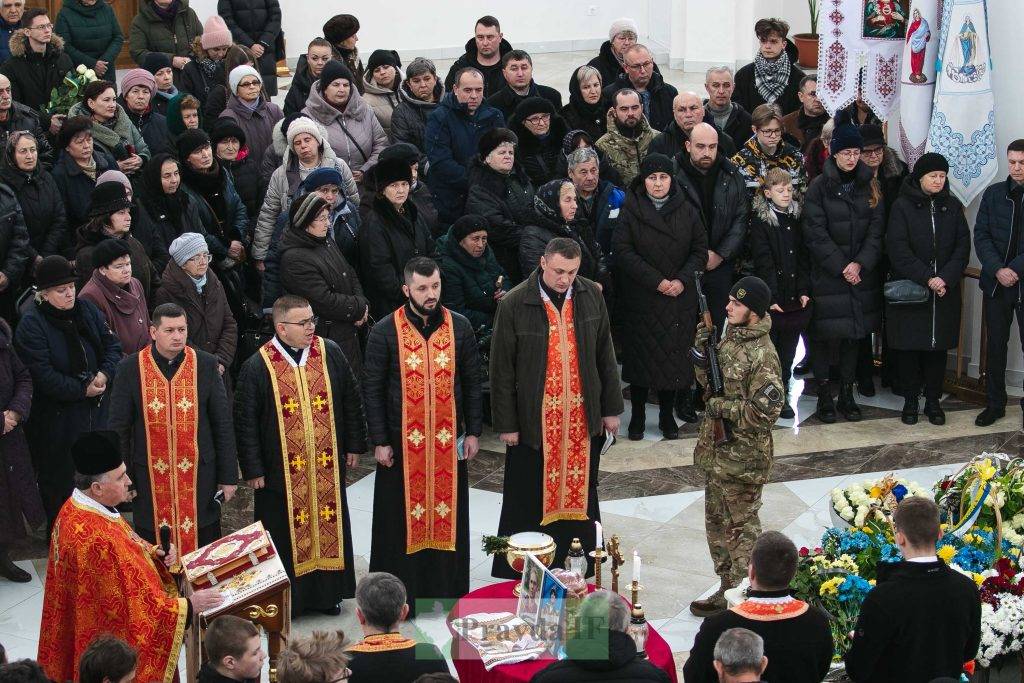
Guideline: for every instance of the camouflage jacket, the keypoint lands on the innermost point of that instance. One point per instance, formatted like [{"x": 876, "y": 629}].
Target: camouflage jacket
[
  {"x": 625, "y": 153},
  {"x": 752, "y": 401}
]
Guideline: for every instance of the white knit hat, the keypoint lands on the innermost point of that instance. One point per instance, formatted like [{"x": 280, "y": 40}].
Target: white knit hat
[
  {"x": 623, "y": 24},
  {"x": 304, "y": 124},
  {"x": 186, "y": 245},
  {"x": 240, "y": 72}
]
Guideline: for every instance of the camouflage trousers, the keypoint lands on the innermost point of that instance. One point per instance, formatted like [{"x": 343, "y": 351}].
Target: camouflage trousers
[{"x": 732, "y": 525}]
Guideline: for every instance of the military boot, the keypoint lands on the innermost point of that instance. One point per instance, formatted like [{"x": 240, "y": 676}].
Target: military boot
[
  {"x": 826, "y": 409},
  {"x": 711, "y": 605},
  {"x": 847, "y": 405}
]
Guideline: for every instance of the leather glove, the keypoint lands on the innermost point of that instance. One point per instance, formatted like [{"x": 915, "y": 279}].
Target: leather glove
[{"x": 702, "y": 336}]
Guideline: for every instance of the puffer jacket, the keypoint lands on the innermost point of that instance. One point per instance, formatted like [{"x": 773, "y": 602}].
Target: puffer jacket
[
  {"x": 468, "y": 284},
  {"x": 32, "y": 75},
  {"x": 625, "y": 153},
  {"x": 298, "y": 91},
  {"x": 149, "y": 33},
  {"x": 753, "y": 399},
  {"x": 992, "y": 232},
  {"x": 211, "y": 326},
  {"x": 780, "y": 257},
  {"x": 493, "y": 78},
  {"x": 90, "y": 33},
  {"x": 409, "y": 120},
  {"x": 383, "y": 101},
  {"x": 257, "y": 21},
  {"x": 124, "y": 309},
  {"x": 43, "y": 209},
  {"x": 606, "y": 62},
  {"x": 841, "y": 227},
  {"x": 506, "y": 201},
  {"x": 536, "y": 236},
  {"x": 257, "y": 124},
  {"x": 14, "y": 242},
  {"x": 354, "y": 134}
]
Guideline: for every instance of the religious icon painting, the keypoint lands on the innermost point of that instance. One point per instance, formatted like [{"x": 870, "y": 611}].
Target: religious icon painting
[
  {"x": 885, "y": 19},
  {"x": 550, "y": 626},
  {"x": 530, "y": 590}
]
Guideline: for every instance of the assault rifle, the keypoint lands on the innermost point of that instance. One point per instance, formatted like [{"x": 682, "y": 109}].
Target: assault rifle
[{"x": 707, "y": 357}]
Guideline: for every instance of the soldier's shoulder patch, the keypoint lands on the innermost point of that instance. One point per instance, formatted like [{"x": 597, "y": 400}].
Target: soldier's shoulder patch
[{"x": 771, "y": 393}]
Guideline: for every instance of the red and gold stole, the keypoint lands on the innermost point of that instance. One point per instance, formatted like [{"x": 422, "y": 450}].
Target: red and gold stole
[
  {"x": 170, "y": 411},
  {"x": 565, "y": 437},
  {"x": 309, "y": 444},
  {"x": 429, "y": 458}
]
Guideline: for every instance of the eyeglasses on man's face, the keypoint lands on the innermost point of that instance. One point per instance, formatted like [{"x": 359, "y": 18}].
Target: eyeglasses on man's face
[{"x": 308, "y": 322}]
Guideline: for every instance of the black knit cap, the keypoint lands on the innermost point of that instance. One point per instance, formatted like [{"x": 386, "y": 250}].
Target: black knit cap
[
  {"x": 655, "y": 163},
  {"x": 190, "y": 141},
  {"x": 154, "y": 61},
  {"x": 845, "y": 136},
  {"x": 404, "y": 151},
  {"x": 304, "y": 211},
  {"x": 333, "y": 70},
  {"x": 53, "y": 271},
  {"x": 930, "y": 162},
  {"x": 226, "y": 128},
  {"x": 752, "y": 292},
  {"x": 467, "y": 225},
  {"x": 494, "y": 137},
  {"x": 108, "y": 251},
  {"x": 340, "y": 27},
  {"x": 391, "y": 171},
  {"x": 73, "y": 126},
  {"x": 108, "y": 198},
  {"x": 96, "y": 453},
  {"x": 871, "y": 135},
  {"x": 382, "y": 57},
  {"x": 531, "y": 106}
]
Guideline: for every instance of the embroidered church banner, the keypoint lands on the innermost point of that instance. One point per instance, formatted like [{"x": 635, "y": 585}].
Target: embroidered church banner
[
  {"x": 917, "y": 78},
  {"x": 963, "y": 116},
  {"x": 859, "y": 50}
]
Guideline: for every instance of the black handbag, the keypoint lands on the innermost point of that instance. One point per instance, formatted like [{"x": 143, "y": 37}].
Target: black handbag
[{"x": 904, "y": 292}]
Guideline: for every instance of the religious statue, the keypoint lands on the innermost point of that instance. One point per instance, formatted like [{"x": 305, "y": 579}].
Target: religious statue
[
  {"x": 884, "y": 19},
  {"x": 918, "y": 35}
]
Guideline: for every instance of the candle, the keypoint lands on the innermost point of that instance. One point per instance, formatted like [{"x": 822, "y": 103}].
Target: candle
[
  {"x": 600, "y": 536},
  {"x": 636, "y": 567}
]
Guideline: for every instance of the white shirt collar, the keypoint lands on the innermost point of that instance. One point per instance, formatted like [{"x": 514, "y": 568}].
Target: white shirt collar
[
  {"x": 287, "y": 356},
  {"x": 79, "y": 497},
  {"x": 926, "y": 558}
]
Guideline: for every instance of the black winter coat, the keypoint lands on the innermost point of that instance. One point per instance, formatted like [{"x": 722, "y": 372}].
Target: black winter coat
[
  {"x": 382, "y": 384},
  {"x": 672, "y": 141},
  {"x": 153, "y": 126},
  {"x": 211, "y": 326},
  {"x": 506, "y": 201},
  {"x": 661, "y": 93},
  {"x": 605, "y": 62},
  {"x": 386, "y": 243},
  {"x": 246, "y": 174},
  {"x": 730, "y": 211},
  {"x": 316, "y": 271},
  {"x": 15, "y": 249},
  {"x": 43, "y": 210},
  {"x": 157, "y": 226},
  {"x": 780, "y": 257},
  {"x": 298, "y": 91},
  {"x": 506, "y": 100},
  {"x": 746, "y": 92},
  {"x": 218, "y": 463},
  {"x": 535, "y": 239},
  {"x": 622, "y": 665},
  {"x": 841, "y": 227},
  {"x": 539, "y": 157},
  {"x": 652, "y": 245},
  {"x": 22, "y": 118},
  {"x": 32, "y": 75},
  {"x": 76, "y": 187},
  {"x": 927, "y": 237},
  {"x": 409, "y": 120},
  {"x": 993, "y": 230},
  {"x": 257, "y": 21},
  {"x": 493, "y": 78},
  {"x": 737, "y": 126},
  {"x": 142, "y": 263},
  {"x": 468, "y": 284}
]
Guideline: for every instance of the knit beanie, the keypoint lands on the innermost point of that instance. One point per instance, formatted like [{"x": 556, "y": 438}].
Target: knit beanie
[
  {"x": 403, "y": 151},
  {"x": 872, "y": 135},
  {"x": 108, "y": 198},
  {"x": 467, "y": 225},
  {"x": 655, "y": 163},
  {"x": 325, "y": 175},
  {"x": 138, "y": 77},
  {"x": 340, "y": 27},
  {"x": 240, "y": 72},
  {"x": 391, "y": 171},
  {"x": 623, "y": 24},
  {"x": 845, "y": 136},
  {"x": 107, "y": 251},
  {"x": 752, "y": 292},
  {"x": 115, "y": 176},
  {"x": 531, "y": 106},
  {"x": 382, "y": 57},
  {"x": 190, "y": 141},
  {"x": 420, "y": 66},
  {"x": 492, "y": 138},
  {"x": 154, "y": 61},
  {"x": 54, "y": 271},
  {"x": 303, "y": 124},
  {"x": 215, "y": 33},
  {"x": 333, "y": 70},
  {"x": 186, "y": 245},
  {"x": 304, "y": 211},
  {"x": 226, "y": 128},
  {"x": 930, "y": 162}
]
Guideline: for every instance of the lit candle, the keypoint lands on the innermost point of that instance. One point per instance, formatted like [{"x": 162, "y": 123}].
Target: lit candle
[
  {"x": 600, "y": 536},
  {"x": 636, "y": 567}
]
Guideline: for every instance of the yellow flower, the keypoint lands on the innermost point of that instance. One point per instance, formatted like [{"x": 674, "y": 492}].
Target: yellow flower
[
  {"x": 872, "y": 582},
  {"x": 831, "y": 587},
  {"x": 946, "y": 553},
  {"x": 868, "y": 530},
  {"x": 875, "y": 492},
  {"x": 978, "y": 578},
  {"x": 985, "y": 469},
  {"x": 969, "y": 538}
]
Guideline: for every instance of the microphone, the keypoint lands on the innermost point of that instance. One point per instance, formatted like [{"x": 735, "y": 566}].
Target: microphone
[{"x": 165, "y": 538}]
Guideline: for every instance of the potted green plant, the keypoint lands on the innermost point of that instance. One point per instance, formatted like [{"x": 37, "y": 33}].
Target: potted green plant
[{"x": 807, "y": 43}]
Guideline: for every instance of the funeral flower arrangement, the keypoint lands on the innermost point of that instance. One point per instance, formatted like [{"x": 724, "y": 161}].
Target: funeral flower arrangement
[
  {"x": 987, "y": 492},
  {"x": 68, "y": 91},
  {"x": 869, "y": 500}
]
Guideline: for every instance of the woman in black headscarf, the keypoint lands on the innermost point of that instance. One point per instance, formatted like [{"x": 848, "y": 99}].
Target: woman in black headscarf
[
  {"x": 555, "y": 206},
  {"x": 585, "y": 110},
  {"x": 167, "y": 210}
]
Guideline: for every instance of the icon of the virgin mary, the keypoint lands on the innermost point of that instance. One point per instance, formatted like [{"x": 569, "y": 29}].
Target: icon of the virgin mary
[{"x": 968, "y": 38}]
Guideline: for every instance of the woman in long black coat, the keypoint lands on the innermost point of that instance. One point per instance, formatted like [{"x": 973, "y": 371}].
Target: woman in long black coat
[
  {"x": 19, "y": 493},
  {"x": 928, "y": 242},
  {"x": 659, "y": 245},
  {"x": 313, "y": 267},
  {"x": 843, "y": 227},
  {"x": 71, "y": 355},
  {"x": 555, "y": 207},
  {"x": 257, "y": 23}
]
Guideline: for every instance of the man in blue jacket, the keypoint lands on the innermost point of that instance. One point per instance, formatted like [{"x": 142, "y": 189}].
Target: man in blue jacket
[
  {"x": 10, "y": 21},
  {"x": 451, "y": 136},
  {"x": 997, "y": 241}
]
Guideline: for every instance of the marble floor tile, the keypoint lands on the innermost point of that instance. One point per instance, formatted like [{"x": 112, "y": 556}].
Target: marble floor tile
[
  {"x": 780, "y": 506},
  {"x": 679, "y": 635},
  {"x": 668, "y": 591},
  {"x": 23, "y": 618},
  {"x": 360, "y": 494},
  {"x": 12, "y": 594},
  {"x": 812, "y": 490},
  {"x": 653, "y": 508},
  {"x": 484, "y": 511},
  {"x": 361, "y": 523},
  {"x": 21, "y": 647},
  {"x": 674, "y": 547}
]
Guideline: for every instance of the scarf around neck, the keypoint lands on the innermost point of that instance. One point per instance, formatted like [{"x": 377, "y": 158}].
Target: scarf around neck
[
  {"x": 771, "y": 76},
  {"x": 76, "y": 333}
]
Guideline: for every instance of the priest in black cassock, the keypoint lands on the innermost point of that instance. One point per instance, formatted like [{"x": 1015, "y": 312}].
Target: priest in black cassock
[
  {"x": 299, "y": 424},
  {"x": 423, "y": 395},
  {"x": 555, "y": 393}
]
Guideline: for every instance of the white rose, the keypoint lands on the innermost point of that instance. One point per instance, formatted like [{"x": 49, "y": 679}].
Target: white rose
[
  {"x": 81, "y": 69},
  {"x": 847, "y": 513},
  {"x": 90, "y": 74}
]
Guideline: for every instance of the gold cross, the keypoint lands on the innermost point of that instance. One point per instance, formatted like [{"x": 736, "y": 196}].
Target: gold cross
[
  {"x": 184, "y": 466},
  {"x": 414, "y": 361},
  {"x": 576, "y": 471},
  {"x": 417, "y": 511},
  {"x": 297, "y": 462},
  {"x": 186, "y": 526},
  {"x": 324, "y": 458},
  {"x": 161, "y": 466},
  {"x": 576, "y": 400},
  {"x": 442, "y": 359},
  {"x": 327, "y": 512},
  {"x": 184, "y": 405},
  {"x": 552, "y": 402},
  {"x": 156, "y": 405},
  {"x": 553, "y": 475},
  {"x": 442, "y": 509},
  {"x": 301, "y": 517},
  {"x": 416, "y": 437},
  {"x": 444, "y": 436},
  {"x": 291, "y": 405},
  {"x": 319, "y": 402}
]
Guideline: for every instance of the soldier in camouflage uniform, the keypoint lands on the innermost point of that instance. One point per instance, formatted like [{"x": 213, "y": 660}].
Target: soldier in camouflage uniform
[
  {"x": 737, "y": 471},
  {"x": 629, "y": 135}
]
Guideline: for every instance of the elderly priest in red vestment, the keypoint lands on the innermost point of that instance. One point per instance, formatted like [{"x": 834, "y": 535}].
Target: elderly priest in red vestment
[{"x": 102, "y": 578}]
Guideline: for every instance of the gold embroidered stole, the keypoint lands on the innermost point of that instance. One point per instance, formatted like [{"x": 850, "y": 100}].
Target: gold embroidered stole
[
  {"x": 429, "y": 458},
  {"x": 309, "y": 445}
]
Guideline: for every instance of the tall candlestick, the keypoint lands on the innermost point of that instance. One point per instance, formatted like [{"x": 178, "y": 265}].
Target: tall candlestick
[
  {"x": 636, "y": 566},
  {"x": 600, "y": 536}
]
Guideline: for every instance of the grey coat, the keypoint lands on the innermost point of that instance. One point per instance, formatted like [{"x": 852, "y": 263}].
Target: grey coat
[
  {"x": 257, "y": 124},
  {"x": 354, "y": 134}
]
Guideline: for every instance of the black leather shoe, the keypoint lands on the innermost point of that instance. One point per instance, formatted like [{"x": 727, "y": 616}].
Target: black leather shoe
[
  {"x": 989, "y": 415},
  {"x": 932, "y": 408},
  {"x": 826, "y": 408},
  {"x": 330, "y": 611},
  {"x": 866, "y": 386},
  {"x": 846, "y": 405},
  {"x": 909, "y": 414},
  {"x": 11, "y": 571},
  {"x": 787, "y": 411}
]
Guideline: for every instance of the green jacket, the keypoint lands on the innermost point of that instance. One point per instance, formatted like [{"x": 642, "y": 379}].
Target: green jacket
[
  {"x": 519, "y": 351},
  {"x": 468, "y": 284},
  {"x": 149, "y": 33},
  {"x": 90, "y": 33},
  {"x": 624, "y": 153},
  {"x": 752, "y": 401}
]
